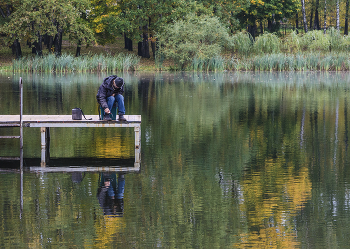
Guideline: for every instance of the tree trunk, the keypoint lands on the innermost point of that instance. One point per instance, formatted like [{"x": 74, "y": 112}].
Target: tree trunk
[
  {"x": 128, "y": 43},
  {"x": 143, "y": 47},
  {"x": 346, "y": 26},
  {"x": 317, "y": 19},
  {"x": 304, "y": 15},
  {"x": 338, "y": 18},
  {"x": 39, "y": 45},
  {"x": 261, "y": 28},
  {"x": 311, "y": 16},
  {"x": 153, "y": 46},
  {"x": 297, "y": 22},
  {"x": 58, "y": 42},
  {"x": 16, "y": 49},
  {"x": 77, "y": 53},
  {"x": 48, "y": 42},
  {"x": 252, "y": 30},
  {"x": 325, "y": 17}
]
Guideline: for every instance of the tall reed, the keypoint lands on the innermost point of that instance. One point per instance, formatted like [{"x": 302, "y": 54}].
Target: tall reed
[
  {"x": 69, "y": 63},
  {"x": 215, "y": 64},
  {"x": 298, "y": 62},
  {"x": 243, "y": 43},
  {"x": 267, "y": 43}
]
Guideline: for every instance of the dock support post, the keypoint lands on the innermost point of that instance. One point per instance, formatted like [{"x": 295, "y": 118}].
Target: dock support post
[
  {"x": 137, "y": 130},
  {"x": 45, "y": 145}
]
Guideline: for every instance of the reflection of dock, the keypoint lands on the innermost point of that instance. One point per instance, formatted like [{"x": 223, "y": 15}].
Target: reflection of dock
[
  {"x": 45, "y": 122},
  {"x": 136, "y": 168}
]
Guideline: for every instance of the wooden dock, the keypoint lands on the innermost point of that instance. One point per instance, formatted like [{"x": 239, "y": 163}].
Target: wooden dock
[{"x": 45, "y": 122}]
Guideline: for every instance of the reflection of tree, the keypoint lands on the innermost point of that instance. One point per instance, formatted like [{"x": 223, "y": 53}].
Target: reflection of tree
[
  {"x": 226, "y": 163},
  {"x": 272, "y": 198}
]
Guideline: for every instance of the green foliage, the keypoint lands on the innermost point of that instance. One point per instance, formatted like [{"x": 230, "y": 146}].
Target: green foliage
[
  {"x": 100, "y": 20},
  {"x": 267, "y": 43},
  {"x": 271, "y": 10},
  {"x": 32, "y": 19},
  {"x": 292, "y": 42},
  {"x": 215, "y": 64},
  {"x": 315, "y": 41},
  {"x": 69, "y": 63},
  {"x": 337, "y": 42},
  {"x": 289, "y": 62},
  {"x": 243, "y": 43},
  {"x": 201, "y": 37},
  {"x": 227, "y": 11},
  {"x": 135, "y": 17}
]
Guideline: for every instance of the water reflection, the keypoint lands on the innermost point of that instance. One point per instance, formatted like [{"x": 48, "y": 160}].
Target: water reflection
[
  {"x": 229, "y": 160},
  {"x": 272, "y": 198},
  {"x": 110, "y": 193}
]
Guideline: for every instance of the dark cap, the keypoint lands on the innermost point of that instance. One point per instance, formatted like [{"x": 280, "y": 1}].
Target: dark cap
[{"x": 119, "y": 81}]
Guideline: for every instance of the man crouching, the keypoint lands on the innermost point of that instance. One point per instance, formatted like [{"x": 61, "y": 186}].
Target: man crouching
[{"x": 109, "y": 93}]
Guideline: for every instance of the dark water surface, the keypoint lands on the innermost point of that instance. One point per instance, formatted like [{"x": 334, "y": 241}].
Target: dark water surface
[{"x": 230, "y": 160}]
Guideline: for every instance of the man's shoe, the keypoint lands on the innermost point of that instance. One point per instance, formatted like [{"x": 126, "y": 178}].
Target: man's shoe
[
  {"x": 107, "y": 117},
  {"x": 121, "y": 117}
]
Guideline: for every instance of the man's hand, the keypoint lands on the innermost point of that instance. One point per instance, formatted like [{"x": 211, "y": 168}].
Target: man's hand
[{"x": 107, "y": 111}]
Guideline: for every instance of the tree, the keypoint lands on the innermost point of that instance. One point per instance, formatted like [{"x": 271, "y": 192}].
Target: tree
[
  {"x": 346, "y": 26},
  {"x": 304, "y": 15},
  {"x": 317, "y": 19},
  {"x": 6, "y": 8},
  {"x": 271, "y": 10},
  {"x": 32, "y": 20},
  {"x": 227, "y": 11},
  {"x": 202, "y": 37},
  {"x": 99, "y": 19},
  {"x": 142, "y": 20},
  {"x": 325, "y": 17},
  {"x": 338, "y": 17}
]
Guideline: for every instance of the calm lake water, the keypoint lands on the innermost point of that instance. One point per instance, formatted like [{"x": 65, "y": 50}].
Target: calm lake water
[{"x": 229, "y": 160}]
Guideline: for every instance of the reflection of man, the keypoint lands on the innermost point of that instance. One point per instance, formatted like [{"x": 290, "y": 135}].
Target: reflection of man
[
  {"x": 110, "y": 93},
  {"x": 110, "y": 193}
]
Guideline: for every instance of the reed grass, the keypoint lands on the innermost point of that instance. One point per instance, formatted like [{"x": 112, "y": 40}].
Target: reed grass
[
  {"x": 243, "y": 43},
  {"x": 215, "y": 64},
  {"x": 308, "y": 52},
  {"x": 289, "y": 62},
  {"x": 69, "y": 63},
  {"x": 267, "y": 43}
]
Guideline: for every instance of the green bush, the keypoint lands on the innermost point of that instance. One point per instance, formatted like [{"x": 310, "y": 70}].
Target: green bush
[
  {"x": 243, "y": 43},
  {"x": 315, "y": 41},
  {"x": 267, "y": 43},
  {"x": 292, "y": 43},
  {"x": 200, "y": 37}
]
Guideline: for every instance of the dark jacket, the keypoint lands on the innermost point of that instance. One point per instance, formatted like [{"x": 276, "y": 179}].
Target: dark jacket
[{"x": 106, "y": 90}]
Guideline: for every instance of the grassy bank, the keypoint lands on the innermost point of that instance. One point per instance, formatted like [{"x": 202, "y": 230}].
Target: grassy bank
[
  {"x": 313, "y": 51},
  {"x": 68, "y": 63},
  {"x": 89, "y": 54},
  {"x": 310, "y": 61}
]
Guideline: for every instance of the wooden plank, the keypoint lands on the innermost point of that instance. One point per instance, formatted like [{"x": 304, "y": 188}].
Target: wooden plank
[
  {"x": 10, "y": 124},
  {"x": 61, "y": 118},
  {"x": 10, "y": 136},
  {"x": 10, "y": 158},
  {"x": 86, "y": 169}
]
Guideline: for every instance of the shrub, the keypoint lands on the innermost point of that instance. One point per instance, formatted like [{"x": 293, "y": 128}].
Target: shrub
[
  {"x": 243, "y": 43},
  {"x": 315, "y": 41},
  {"x": 267, "y": 43},
  {"x": 292, "y": 43},
  {"x": 201, "y": 37}
]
